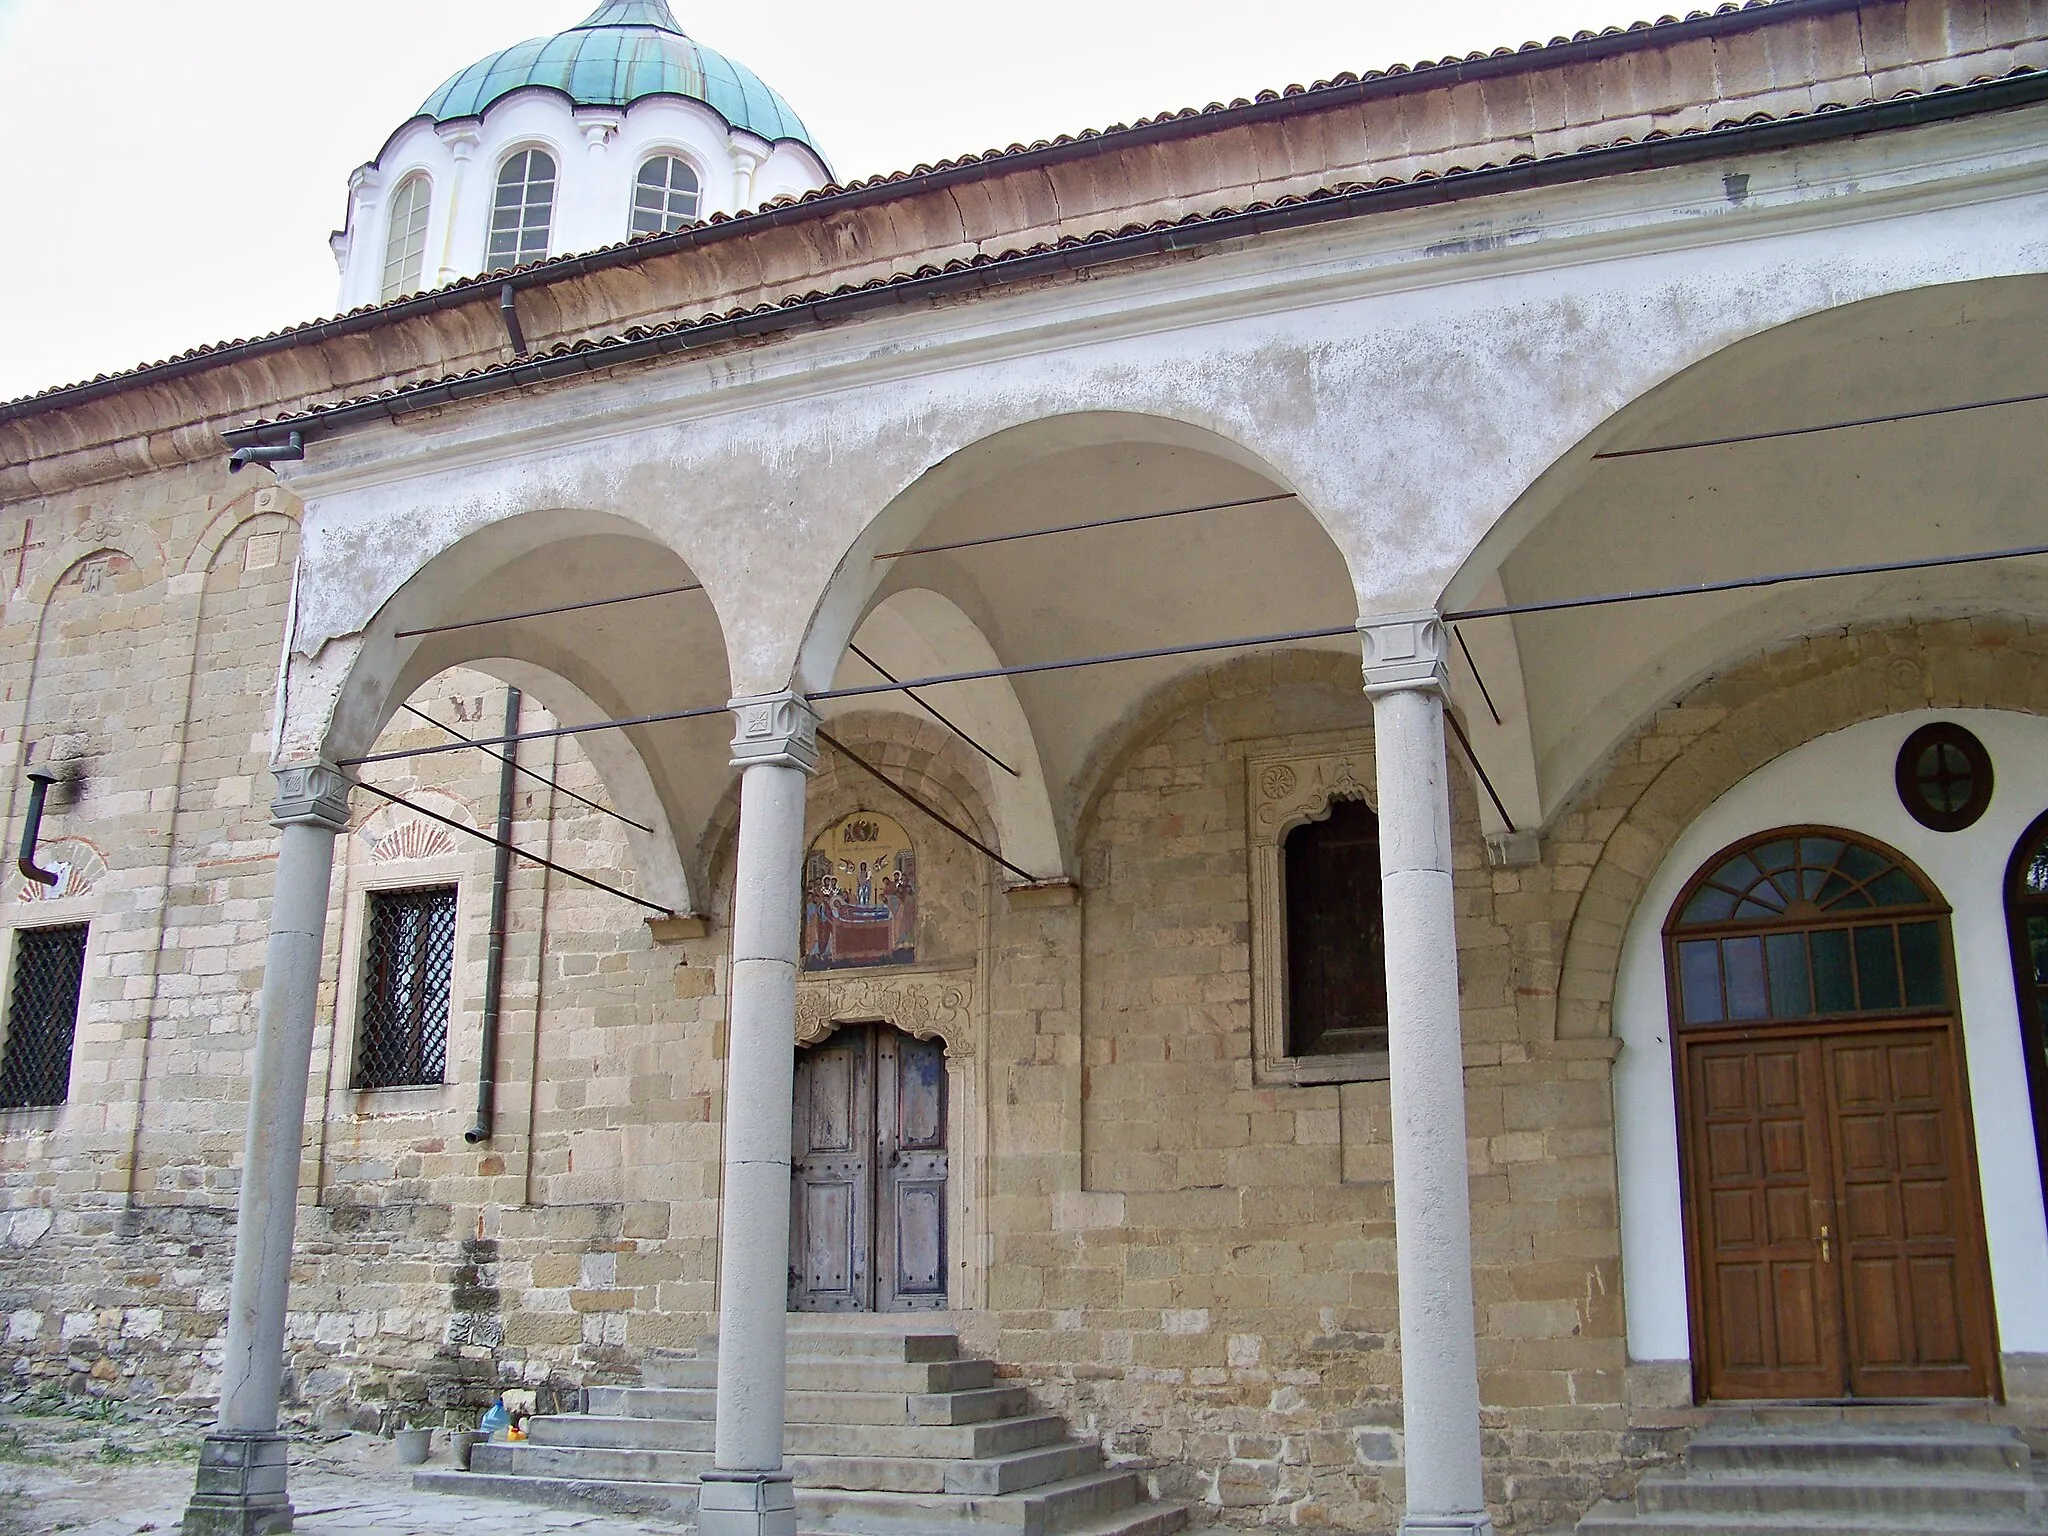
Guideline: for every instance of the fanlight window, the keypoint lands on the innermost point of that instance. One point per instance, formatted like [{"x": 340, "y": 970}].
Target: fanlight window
[
  {"x": 524, "y": 213},
  {"x": 1807, "y": 925},
  {"x": 405, "y": 251},
  {"x": 664, "y": 196}
]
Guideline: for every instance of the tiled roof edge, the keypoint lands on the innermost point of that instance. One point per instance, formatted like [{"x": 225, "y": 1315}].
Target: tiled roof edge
[
  {"x": 2023, "y": 87},
  {"x": 1341, "y": 90}
]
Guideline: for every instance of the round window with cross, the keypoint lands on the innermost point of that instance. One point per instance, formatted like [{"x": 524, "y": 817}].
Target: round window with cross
[{"x": 1944, "y": 776}]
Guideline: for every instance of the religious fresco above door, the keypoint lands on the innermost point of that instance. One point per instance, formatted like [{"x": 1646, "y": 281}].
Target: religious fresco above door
[{"x": 860, "y": 895}]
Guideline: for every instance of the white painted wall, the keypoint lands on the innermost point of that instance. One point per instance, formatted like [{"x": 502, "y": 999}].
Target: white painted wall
[
  {"x": 598, "y": 153},
  {"x": 1845, "y": 780}
]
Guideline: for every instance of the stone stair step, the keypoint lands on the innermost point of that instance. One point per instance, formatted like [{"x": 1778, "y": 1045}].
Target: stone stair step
[
  {"x": 994, "y": 1437},
  {"x": 591, "y": 1463},
  {"x": 1022, "y": 1470},
  {"x": 972, "y": 1406},
  {"x": 834, "y": 1373},
  {"x": 674, "y": 1500},
  {"x": 1102, "y": 1504},
  {"x": 1904, "y": 1496},
  {"x": 1617, "y": 1517},
  {"x": 1962, "y": 1447},
  {"x": 1069, "y": 1506}
]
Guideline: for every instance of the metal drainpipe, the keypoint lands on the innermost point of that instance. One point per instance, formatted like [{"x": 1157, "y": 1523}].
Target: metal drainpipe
[{"x": 494, "y": 956}]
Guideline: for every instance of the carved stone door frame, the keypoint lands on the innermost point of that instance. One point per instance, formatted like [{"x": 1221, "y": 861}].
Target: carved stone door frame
[{"x": 927, "y": 1005}]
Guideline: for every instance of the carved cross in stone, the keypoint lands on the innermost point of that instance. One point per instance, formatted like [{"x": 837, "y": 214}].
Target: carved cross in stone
[{"x": 21, "y": 551}]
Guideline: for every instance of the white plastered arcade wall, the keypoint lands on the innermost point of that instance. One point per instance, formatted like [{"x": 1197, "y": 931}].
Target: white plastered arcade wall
[{"x": 1845, "y": 780}]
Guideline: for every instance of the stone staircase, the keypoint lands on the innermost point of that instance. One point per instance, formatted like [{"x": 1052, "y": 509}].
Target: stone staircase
[
  {"x": 889, "y": 1431},
  {"x": 1764, "y": 1479}
]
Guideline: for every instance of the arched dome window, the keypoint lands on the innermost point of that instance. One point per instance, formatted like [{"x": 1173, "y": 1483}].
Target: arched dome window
[
  {"x": 664, "y": 196},
  {"x": 523, "y": 215},
  {"x": 405, "y": 248}
]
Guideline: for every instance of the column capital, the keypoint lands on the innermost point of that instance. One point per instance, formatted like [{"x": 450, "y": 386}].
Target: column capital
[
  {"x": 779, "y": 728},
  {"x": 1404, "y": 650},
  {"x": 315, "y": 792}
]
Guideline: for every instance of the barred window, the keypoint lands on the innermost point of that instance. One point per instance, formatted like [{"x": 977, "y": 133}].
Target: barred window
[
  {"x": 408, "y": 964},
  {"x": 42, "y": 1016}
]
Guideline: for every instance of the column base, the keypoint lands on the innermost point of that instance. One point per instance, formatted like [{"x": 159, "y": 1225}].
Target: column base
[
  {"x": 746, "y": 1504},
  {"x": 1480, "y": 1524},
  {"x": 240, "y": 1488}
]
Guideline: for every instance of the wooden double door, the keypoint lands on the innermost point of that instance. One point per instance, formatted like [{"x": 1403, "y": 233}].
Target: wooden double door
[
  {"x": 868, "y": 1168},
  {"x": 1836, "y": 1233}
]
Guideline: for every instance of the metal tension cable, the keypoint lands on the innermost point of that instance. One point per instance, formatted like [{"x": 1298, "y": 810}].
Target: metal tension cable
[
  {"x": 519, "y": 767},
  {"x": 924, "y": 805},
  {"x": 921, "y": 704},
  {"x": 517, "y": 852},
  {"x": 1826, "y": 426}
]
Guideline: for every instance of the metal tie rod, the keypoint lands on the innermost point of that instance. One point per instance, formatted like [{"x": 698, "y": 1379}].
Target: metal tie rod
[
  {"x": 541, "y": 613},
  {"x": 894, "y": 554},
  {"x": 926, "y": 806},
  {"x": 1825, "y": 426},
  {"x": 701, "y": 712},
  {"x": 516, "y": 851},
  {"x": 1742, "y": 583},
  {"x": 1100, "y": 522},
  {"x": 518, "y": 767}
]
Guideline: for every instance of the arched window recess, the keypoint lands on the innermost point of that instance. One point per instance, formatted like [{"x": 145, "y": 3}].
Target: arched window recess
[
  {"x": 405, "y": 246},
  {"x": 666, "y": 195},
  {"x": 523, "y": 211}
]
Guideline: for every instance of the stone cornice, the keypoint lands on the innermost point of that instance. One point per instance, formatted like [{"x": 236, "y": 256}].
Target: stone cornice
[{"x": 1411, "y": 128}]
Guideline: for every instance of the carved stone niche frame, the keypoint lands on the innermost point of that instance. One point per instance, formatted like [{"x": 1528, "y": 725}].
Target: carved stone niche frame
[
  {"x": 942, "y": 1005},
  {"x": 1282, "y": 792}
]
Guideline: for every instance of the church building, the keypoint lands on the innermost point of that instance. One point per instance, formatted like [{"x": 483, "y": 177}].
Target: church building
[{"x": 1326, "y": 811}]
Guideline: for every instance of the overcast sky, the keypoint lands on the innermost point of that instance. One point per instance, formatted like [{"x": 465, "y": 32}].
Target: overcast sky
[{"x": 174, "y": 166}]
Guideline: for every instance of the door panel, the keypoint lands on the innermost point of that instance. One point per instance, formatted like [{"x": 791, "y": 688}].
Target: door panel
[
  {"x": 910, "y": 1258},
  {"x": 1912, "y": 1240},
  {"x": 1760, "y": 1188},
  {"x": 831, "y": 1208},
  {"x": 868, "y": 1169}
]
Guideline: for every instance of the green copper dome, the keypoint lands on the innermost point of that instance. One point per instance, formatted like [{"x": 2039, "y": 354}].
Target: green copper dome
[{"x": 626, "y": 50}]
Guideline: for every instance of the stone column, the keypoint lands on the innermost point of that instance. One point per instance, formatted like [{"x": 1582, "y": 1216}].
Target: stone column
[
  {"x": 240, "y": 1489},
  {"x": 1405, "y": 676},
  {"x": 747, "y": 1492}
]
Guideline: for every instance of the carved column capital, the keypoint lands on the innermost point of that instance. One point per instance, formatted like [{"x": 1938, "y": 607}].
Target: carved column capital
[
  {"x": 1404, "y": 650},
  {"x": 779, "y": 728},
  {"x": 315, "y": 792}
]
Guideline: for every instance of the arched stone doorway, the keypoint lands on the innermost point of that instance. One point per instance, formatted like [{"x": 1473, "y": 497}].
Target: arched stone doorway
[
  {"x": 870, "y": 1140},
  {"x": 1834, "y": 1236}
]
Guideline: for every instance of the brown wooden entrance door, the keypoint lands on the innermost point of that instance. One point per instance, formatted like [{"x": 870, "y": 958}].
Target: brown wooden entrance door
[
  {"x": 1833, "y": 1229},
  {"x": 868, "y": 1169},
  {"x": 1839, "y": 1249}
]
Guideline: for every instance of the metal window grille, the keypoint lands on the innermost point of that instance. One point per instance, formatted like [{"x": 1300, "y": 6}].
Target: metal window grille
[
  {"x": 408, "y": 963},
  {"x": 42, "y": 1016}
]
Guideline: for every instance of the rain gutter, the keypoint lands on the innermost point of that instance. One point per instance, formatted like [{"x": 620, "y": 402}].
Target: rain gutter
[{"x": 1561, "y": 170}]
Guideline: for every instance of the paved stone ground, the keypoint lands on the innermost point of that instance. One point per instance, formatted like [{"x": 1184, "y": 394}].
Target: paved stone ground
[{"x": 87, "y": 1475}]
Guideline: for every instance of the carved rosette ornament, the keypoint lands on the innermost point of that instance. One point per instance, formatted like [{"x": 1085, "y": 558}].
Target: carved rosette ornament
[{"x": 928, "y": 1007}]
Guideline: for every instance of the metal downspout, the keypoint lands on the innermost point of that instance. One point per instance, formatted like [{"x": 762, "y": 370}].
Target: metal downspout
[{"x": 494, "y": 956}]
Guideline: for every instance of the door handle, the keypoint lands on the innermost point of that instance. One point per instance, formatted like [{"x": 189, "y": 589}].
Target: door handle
[{"x": 1824, "y": 1246}]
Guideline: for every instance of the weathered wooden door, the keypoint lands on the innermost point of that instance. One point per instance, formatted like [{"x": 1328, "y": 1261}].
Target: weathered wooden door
[
  {"x": 868, "y": 1168},
  {"x": 1837, "y": 1240}
]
